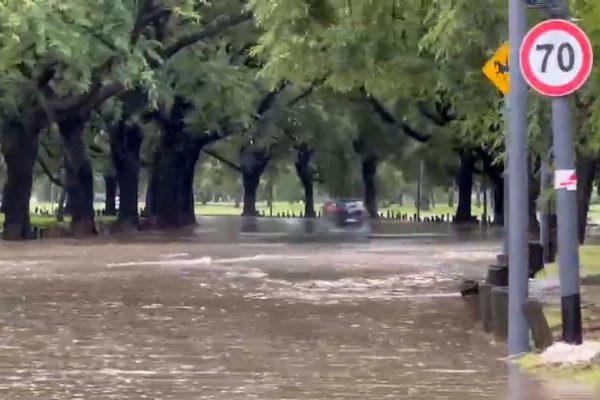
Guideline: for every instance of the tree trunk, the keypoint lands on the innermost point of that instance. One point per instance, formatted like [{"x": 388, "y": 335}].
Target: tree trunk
[
  {"x": 60, "y": 212},
  {"x": 464, "y": 182},
  {"x": 305, "y": 175},
  {"x": 110, "y": 203},
  {"x": 478, "y": 196},
  {"x": 424, "y": 200},
  {"x": 369, "y": 177},
  {"x": 251, "y": 182},
  {"x": 79, "y": 175},
  {"x": 586, "y": 173},
  {"x": 19, "y": 142},
  {"x": 499, "y": 202},
  {"x": 253, "y": 164},
  {"x": 125, "y": 142},
  {"x": 171, "y": 203},
  {"x": 19, "y": 148},
  {"x": 485, "y": 206}
]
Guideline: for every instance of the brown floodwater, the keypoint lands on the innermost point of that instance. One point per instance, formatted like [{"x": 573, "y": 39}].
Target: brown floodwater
[{"x": 182, "y": 320}]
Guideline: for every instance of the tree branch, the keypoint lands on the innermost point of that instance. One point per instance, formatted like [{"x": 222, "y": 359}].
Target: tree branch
[
  {"x": 48, "y": 173},
  {"x": 145, "y": 16},
  {"x": 206, "y": 33},
  {"x": 106, "y": 92},
  {"x": 225, "y": 161},
  {"x": 305, "y": 93},
  {"x": 433, "y": 117},
  {"x": 267, "y": 102},
  {"x": 389, "y": 119}
]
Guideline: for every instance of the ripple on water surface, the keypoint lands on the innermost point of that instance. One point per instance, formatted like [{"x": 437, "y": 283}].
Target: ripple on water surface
[{"x": 244, "y": 330}]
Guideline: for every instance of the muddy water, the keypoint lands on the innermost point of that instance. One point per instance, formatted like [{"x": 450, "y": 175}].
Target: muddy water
[{"x": 182, "y": 321}]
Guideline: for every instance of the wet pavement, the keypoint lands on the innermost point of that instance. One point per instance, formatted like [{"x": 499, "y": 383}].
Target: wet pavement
[{"x": 171, "y": 318}]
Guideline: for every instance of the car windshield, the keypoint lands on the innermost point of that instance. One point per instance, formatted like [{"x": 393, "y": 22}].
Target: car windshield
[{"x": 351, "y": 202}]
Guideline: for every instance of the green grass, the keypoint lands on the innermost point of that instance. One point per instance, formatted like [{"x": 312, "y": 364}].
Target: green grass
[
  {"x": 49, "y": 221},
  {"x": 553, "y": 316},
  {"x": 590, "y": 317},
  {"x": 594, "y": 213},
  {"x": 586, "y": 374},
  {"x": 589, "y": 261},
  {"x": 281, "y": 207},
  {"x": 229, "y": 209}
]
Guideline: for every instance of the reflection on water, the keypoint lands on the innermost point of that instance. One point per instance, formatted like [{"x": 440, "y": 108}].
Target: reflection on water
[{"x": 105, "y": 321}]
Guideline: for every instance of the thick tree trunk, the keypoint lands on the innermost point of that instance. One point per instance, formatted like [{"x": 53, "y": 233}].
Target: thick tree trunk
[
  {"x": 125, "y": 142},
  {"x": 150, "y": 208},
  {"x": 369, "y": 162},
  {"x": 305, "y": 175},
  {"x": 171, "y": 203},
  {"x": 499, "y": 202},
  {"x": 586, "y": 173},
  {"x": 19, "y": 149},
  {"x": 251, "y": 181},
  {"x": 369, "y": 178},
  {"x": 79, "y": 175},
  {"x": 110, "y": 203},
  {"x": 19, "y": 140},
  {"x": 253, "y": 164},
  {"x": 464, "y": 182}
]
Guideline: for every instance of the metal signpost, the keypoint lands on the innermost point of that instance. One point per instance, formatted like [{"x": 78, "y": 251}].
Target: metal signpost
[
  {"x": 504, "y": 71},
  {"x": 518, "y": 329},
  {"x": 556, "y": 60}
]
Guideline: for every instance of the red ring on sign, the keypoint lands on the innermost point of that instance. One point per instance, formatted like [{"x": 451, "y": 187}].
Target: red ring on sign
[{"x": 586, "y": 65}]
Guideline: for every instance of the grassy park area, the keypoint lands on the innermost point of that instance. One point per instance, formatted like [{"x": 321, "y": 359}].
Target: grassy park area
[
  {"x": 586, "y": 373},
  {"x": 589, "y": 259},
  {"x": 281, "y": 207},
  {"x": 285, "y": 208}
]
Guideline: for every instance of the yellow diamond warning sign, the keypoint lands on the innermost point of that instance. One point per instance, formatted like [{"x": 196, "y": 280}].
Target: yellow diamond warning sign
[{"x": 496, "y": 68}]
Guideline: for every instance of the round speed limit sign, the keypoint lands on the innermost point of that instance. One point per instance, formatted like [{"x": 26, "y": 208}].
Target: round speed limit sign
[{"x": 556, "y": 58}]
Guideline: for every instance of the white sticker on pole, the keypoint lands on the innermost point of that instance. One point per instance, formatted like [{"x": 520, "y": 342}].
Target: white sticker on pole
[{"x": 565, "y": 179}]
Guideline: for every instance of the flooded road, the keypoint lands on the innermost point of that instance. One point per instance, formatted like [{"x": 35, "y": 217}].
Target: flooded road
[{"x": 181, "y": 320}]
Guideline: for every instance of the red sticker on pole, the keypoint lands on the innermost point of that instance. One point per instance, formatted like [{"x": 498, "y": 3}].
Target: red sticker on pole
[
  {"x": 556, "y": 58},
  {"x": 565, "y": 179}
]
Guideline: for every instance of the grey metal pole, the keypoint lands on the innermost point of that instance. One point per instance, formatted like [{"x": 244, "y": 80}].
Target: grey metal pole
[
  {"x": 566, "y": 205},
  {"x": 506, "y": 179},
  {"x": 518, "y": 330},
  {"x": 506, "y": 210}
]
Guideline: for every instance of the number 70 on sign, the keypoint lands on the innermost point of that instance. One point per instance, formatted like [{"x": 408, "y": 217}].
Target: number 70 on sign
[{"x": 556, "y": 58}]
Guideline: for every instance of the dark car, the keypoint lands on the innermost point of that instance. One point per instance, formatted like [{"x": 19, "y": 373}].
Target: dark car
[{"x": 345, "y": 212}]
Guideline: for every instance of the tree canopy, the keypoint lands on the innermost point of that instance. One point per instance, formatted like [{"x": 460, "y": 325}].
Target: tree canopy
[{"x": 340, "y": 92}]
